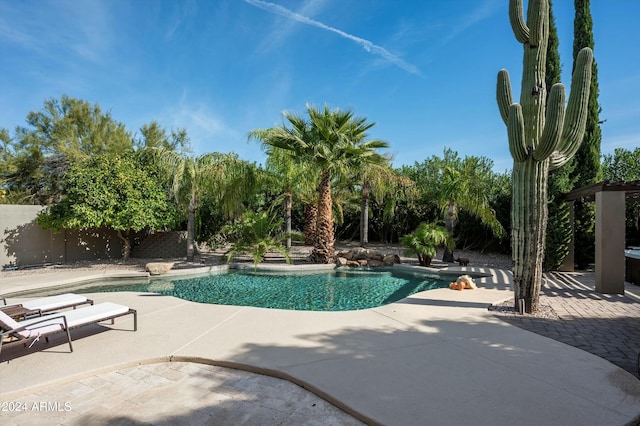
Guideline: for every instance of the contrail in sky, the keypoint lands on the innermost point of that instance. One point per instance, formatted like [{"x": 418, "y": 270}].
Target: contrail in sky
[{"x": 366, "y": 44}]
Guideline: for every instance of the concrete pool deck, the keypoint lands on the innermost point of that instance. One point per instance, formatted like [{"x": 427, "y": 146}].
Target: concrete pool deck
[{"x": 437, "y": 357}]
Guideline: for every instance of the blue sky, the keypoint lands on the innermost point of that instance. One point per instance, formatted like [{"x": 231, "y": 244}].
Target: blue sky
[{"x": 424, "y": 70}]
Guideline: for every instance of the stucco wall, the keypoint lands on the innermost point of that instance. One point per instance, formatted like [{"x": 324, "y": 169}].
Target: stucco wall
[{"x": 23, "y": 242}]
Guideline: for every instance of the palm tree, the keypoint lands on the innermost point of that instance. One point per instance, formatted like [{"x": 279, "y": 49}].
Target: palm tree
[
  {"x": 192, "y": 176},
  {"x": 296, "y": 179},
  {"x": 425, "y": 242},
  {"x": 464, "y": 185},
  {"x": 333, "y": 141}
]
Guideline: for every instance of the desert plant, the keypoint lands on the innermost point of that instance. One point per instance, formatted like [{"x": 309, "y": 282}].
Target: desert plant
[
  {"x": 542, "y": 137},
  {"x": 425, "y": 242},
  {"x": 257, "y": 234}
]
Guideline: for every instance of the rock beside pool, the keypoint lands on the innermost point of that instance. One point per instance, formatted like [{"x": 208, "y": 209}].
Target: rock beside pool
[
  {"x": 158, "y": 268},
  {"x": 390, "y": 259},
  {"x": 359, "y": 253},
  {"x": 358, "y": 257}
]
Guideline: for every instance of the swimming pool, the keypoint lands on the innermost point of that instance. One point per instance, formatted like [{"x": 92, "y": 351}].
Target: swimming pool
[{"x": 336, "y": 290}]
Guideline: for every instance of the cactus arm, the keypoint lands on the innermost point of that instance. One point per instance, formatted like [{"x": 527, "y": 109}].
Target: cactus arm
[
  {"x": 516, "y": 17},
  {"x": 504, "y": 94},
  {"x": 554, "y": 121},
  {"x": 515, "y": 131},
  {"x": 537, "y": 18},
  {"x": 576, "y": 114}
]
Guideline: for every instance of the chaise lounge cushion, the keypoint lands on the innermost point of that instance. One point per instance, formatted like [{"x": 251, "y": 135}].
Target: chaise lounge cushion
[
  {"x": 34, "y": 328},
  {"x": 55, "y": 302},
  {"x": 87, "y": 315}
]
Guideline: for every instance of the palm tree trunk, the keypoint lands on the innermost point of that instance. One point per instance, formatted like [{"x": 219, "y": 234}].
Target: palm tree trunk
[
  {"x": 191, "y": 233},
  {"x": 310, "y": 221},
  {"x": 323, "y": 250},
  {"x": 364, "y": 216},
  {"x": 450, "y": 223},
  {"x": 287, "y": 215}
]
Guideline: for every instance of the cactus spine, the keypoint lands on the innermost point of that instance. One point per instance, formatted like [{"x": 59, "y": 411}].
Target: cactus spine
[{"x": 541, "y": 138}]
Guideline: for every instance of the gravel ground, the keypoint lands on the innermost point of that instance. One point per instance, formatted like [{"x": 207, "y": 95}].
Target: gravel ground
[{"x": 506, "y": 309}]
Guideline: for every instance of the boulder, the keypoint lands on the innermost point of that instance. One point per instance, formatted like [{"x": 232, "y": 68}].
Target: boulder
[
  {"x": 359, "y": 253},
  {"x": 363, "y": 262},
  {"x": 352, "y": 264},
  {"x": 375, "y": 263},
  {"x": 390, "y": 259},
  {"x": 343, "y": 253},
  {"x": 375, "y": 255},
  {"x": 341, "y": 261},
  {"x": 158, "y": 268}
]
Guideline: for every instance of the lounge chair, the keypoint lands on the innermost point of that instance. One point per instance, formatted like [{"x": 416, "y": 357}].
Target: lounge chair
[
  {"x": 34, "y": 328},
  {"x": 44, "y": 304}
]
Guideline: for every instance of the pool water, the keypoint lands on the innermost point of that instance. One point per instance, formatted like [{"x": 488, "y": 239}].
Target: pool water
[{"x": 337, "y": 290}]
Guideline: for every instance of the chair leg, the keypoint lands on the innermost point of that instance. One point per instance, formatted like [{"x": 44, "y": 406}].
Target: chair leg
[
  {"x": 135, "y": 319},
  {"x": 66, "y": 329}
]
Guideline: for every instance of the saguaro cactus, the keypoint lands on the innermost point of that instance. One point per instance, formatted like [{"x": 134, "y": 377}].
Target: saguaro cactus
[{"x": 541, "y": 138}]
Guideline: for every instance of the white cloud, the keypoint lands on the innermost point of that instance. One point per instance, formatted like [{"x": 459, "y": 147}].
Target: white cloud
[
  {"x": 480, "y": 13},
  {"x": 182, "y": 12},
  {"x": 282, "y": 30},
  {"x": 367, "y": 45},
  {"x": 55, "y": 29},
  {"x": 207, "y": 130}
]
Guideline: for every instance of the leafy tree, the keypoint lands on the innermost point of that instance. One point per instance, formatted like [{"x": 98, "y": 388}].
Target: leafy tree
[
  {"x": 587, "y": 160},
  {"x": 332, "y": 141},
  {"x": 425, "y": 242},
  {"x": 559, "y": 233},
  {"x": 63, "y": 132},
  {"x": 624, "y": 165},
  {"x": 421, "y": 206},
  {"x": 224, "y": 175},
  {"x": 154, "y": 136},
  {"x": 455, "y": 184},
  {"x": 257, "y": 234},
  {"x": 75, "y": 129},
  {"x": 473, "y": 234},
  {"x": 110, "y": 191}
]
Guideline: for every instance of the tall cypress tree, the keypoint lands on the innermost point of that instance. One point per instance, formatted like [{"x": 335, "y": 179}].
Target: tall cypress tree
[
  {"x": 587, "y": 160},
  {"x": 560, "y": 182}
]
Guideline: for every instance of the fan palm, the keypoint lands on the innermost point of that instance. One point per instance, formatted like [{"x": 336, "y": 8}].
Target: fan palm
[
  {"x": 257, "y": 235},
  {"x": 425, "y": 242},
  {"x": 331, "y": 140}
]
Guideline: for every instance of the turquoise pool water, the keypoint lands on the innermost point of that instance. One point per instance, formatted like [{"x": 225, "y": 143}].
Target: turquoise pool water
[{"x": 337, "y": 290}]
